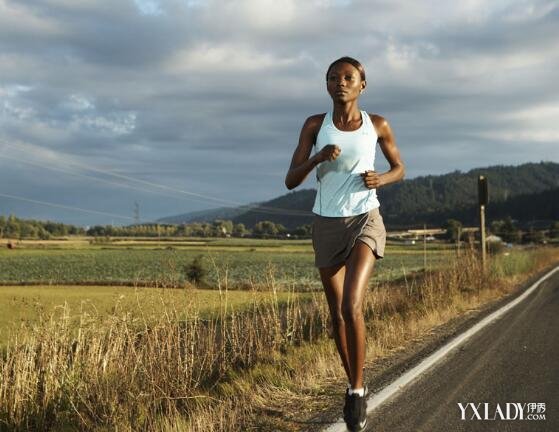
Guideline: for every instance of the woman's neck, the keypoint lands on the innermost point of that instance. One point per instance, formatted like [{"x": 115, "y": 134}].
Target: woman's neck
[{"x": 346, "y": 113}]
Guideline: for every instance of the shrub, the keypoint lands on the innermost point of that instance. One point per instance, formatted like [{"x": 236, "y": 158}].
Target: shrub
[
  {"x": 494, "y": 247},
  {"x": 195, "y": 271}
]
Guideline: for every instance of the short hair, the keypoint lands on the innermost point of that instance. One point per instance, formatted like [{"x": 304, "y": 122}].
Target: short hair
[{"x": 352, "y": 62}]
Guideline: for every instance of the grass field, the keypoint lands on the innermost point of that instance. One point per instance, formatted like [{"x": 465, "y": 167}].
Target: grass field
[
  {"x": 27, "y": 305},
  {"x": 241, "y": 260},
  {"x": 59, "y": 269},
  {"x": 252, "y": 370}
]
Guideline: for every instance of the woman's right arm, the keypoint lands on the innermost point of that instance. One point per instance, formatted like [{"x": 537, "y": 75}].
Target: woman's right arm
[{"x": 301, "y": 164}]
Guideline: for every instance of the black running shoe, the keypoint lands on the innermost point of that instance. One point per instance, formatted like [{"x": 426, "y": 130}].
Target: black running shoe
[
  {"x": 346, "y": 405},
  {"x": 356, "y": 417}
]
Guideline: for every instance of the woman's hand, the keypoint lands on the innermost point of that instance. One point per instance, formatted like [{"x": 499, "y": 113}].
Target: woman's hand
[
  {"x": 371, "y": 179},
  {"x": 328, "y": 153}
]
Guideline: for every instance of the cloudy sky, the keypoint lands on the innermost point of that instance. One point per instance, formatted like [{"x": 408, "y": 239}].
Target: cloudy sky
[{"x": 185, "y": 105}]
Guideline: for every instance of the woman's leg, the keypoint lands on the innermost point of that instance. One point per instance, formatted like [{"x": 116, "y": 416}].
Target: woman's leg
[
  {"x": 359, "y": 266},
  {"x": 333, "y": 282}
]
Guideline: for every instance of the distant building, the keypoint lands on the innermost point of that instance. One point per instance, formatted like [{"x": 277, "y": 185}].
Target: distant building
[{"x": 493, "y": 239}]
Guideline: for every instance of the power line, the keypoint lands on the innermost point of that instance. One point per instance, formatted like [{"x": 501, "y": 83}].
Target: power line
[
  {"x": 123, "y": 185},
  {"x": 65, "y": 206},
  {"x": 256, "y": 208}
]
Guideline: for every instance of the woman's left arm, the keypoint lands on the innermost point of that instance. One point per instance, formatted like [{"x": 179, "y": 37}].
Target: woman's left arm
[{"x": 388, "y": 146}]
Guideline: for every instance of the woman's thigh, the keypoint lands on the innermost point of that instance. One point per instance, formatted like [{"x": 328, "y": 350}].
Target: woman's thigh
[
  {"x": 359, "y": 267},
  {"x": 333, "y": 283}
]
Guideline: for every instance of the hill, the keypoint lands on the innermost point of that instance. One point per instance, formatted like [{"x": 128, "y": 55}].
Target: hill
[
  {"x": 525, "y": 192},
  {"x": 226, "y": 213}
]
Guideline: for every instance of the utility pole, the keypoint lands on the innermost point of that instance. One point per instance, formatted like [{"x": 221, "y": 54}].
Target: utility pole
[
  {"x": 483, "y": 198},
  {"x": 136, "y": 213},
  {"x": 425, "y": 246}
]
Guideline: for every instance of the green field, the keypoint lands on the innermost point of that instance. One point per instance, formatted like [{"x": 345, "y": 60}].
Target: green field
[
  {"x": 39, "y": 277},
  {"x": 240, "y": 261}
]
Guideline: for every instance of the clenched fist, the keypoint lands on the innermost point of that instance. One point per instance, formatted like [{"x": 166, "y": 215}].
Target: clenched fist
[
  {"x": 329, "y": 153},
  {"x": 371, "y": 179}
]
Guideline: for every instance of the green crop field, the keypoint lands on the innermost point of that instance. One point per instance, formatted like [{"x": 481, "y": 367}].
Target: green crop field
[
  {"x": 40, "y": 276},
  {"x": 240, "y": 262}
]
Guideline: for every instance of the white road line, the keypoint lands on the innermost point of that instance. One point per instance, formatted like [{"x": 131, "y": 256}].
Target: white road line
[{"x": 377, "y": 399}]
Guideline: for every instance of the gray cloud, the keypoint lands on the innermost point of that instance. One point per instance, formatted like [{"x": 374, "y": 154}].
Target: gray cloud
[{"x": 209, "y": 97}]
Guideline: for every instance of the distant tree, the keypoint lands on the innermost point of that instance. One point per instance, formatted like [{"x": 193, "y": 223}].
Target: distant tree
[
  {"x": 496, "y": 227},
  {"x": 239, "y": 230},
  {"x": 303, "y": 230},
  {"x": 281, "y": 229},
  {"x": 94, "y": 230},
  {"x": 44, "y": 234},
  {"x": 534, "y": 236},
  {"x": 12, "y": 227},
  {"x": 28, "y": 231},
  {"x": 507, "y": 230},
  {"x": 220, "y": 228},
  {"x": 453, "y": 229},
  {"x": 74, "y": 230},
  {"x": 265, "y": 229},
  {"x": 203, "y": 229},
  {"x": 554, "y": 230}
]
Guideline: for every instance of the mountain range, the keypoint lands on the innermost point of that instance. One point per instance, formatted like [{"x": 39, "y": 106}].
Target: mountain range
[{"x": 527, "y": 192}]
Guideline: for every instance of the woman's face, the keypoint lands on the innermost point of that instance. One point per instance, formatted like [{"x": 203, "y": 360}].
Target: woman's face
[{"x": 344, "y": 82}]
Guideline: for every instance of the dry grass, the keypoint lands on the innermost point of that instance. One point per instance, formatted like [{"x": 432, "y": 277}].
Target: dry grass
[{"x": 228, "y": 373}]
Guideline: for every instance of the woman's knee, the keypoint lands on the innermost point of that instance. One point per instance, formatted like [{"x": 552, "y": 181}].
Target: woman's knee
[
  {"x": 337, "y": 317},
  {"x": 352, "y": 311}
]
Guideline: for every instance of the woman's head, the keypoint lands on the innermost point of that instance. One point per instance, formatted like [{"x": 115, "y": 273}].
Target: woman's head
[
  {"x": 345, "y": 79},
  {"x": 352, "y": 62}
]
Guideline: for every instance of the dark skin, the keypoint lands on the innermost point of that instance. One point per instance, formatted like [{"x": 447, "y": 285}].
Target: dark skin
[{"x": 345, "y": 284}]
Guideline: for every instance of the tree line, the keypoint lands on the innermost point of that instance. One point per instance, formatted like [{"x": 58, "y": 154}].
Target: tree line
[
  {"x": 13, "y": 227},
  {"x": 507, "y": 230}
]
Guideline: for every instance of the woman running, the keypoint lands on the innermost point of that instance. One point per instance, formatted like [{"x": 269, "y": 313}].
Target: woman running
[{"x": 346, "y": 209}]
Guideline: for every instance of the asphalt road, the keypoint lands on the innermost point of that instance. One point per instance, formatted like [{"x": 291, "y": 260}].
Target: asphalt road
[{"x": 513, "y": 360}]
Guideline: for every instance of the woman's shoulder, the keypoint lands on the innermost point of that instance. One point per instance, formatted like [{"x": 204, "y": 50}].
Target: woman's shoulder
[
  {"x": 379, "y": 122},
  {"x": 314, "y": 121},
  {"x": 316, "y": 118},
  {"x": 376, "y": 118}
]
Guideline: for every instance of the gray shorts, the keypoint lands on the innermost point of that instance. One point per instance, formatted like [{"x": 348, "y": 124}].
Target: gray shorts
[{"x": 334, "y": 237}]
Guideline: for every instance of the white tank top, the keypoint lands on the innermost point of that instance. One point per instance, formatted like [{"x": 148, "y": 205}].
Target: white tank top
[{"x": 341, "y": 191}]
